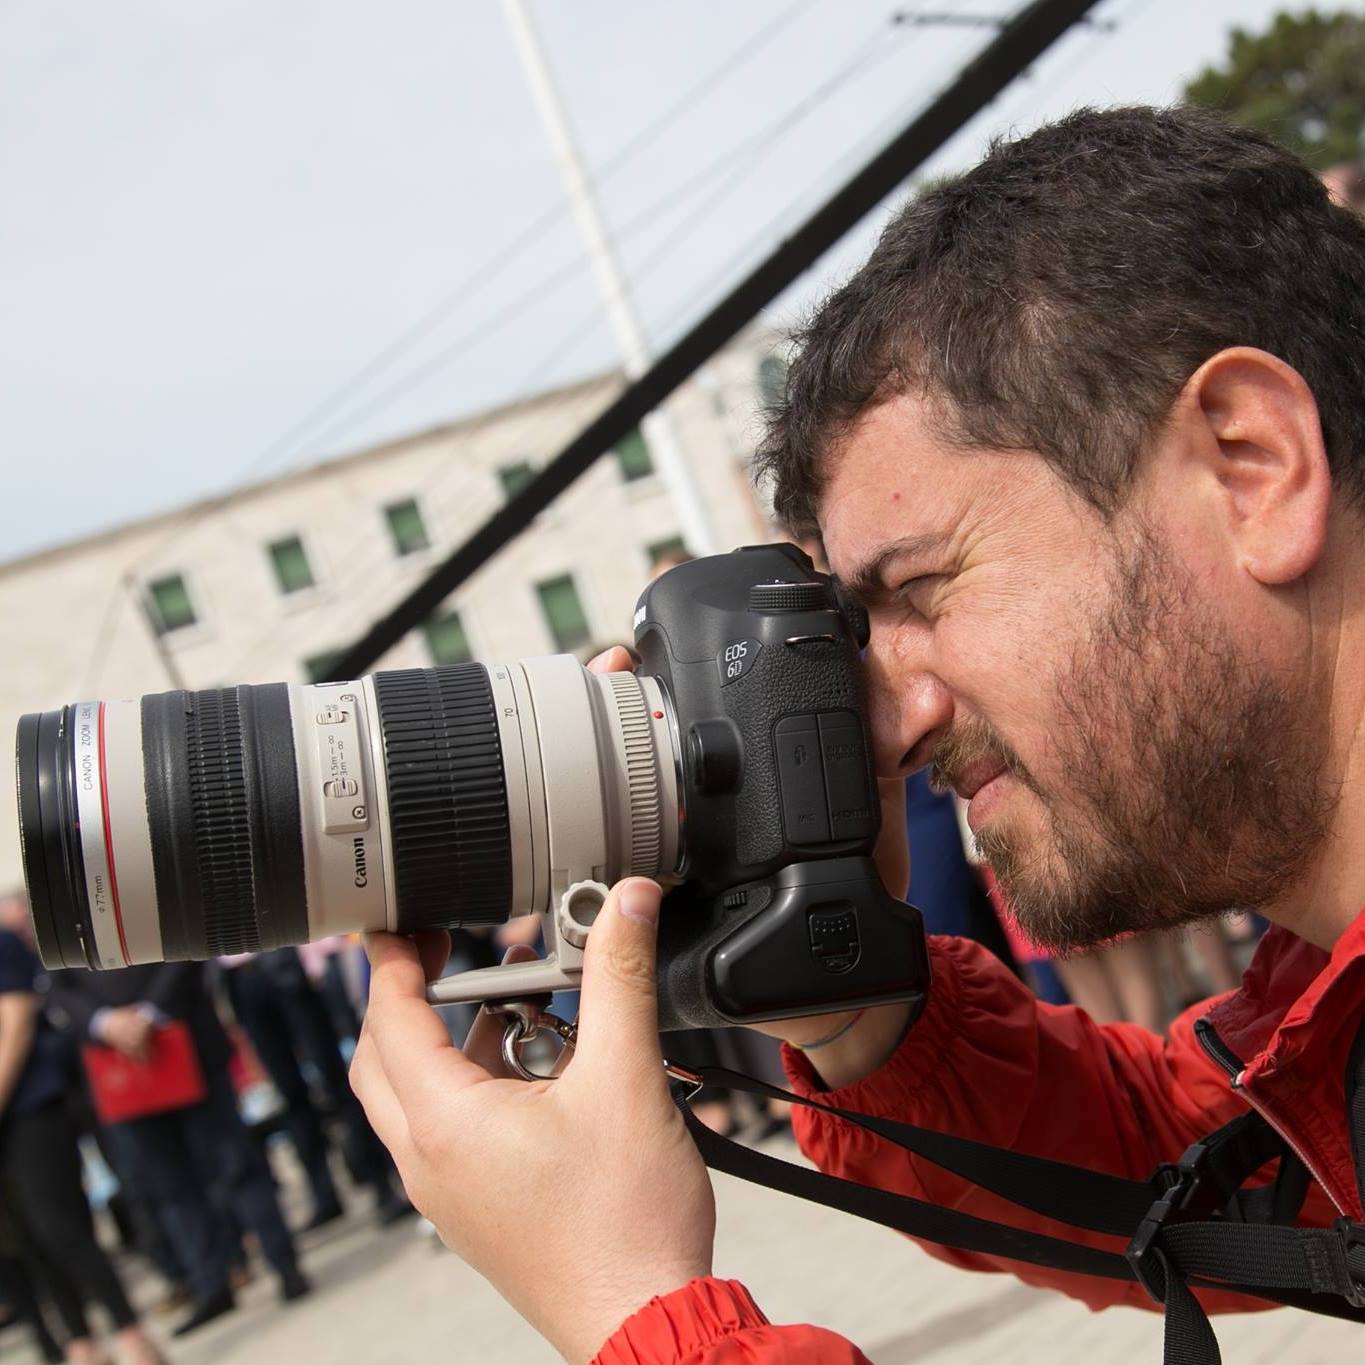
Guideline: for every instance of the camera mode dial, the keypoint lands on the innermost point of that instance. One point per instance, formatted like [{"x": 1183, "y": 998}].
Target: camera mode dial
[{"x": 783, "y": 597}]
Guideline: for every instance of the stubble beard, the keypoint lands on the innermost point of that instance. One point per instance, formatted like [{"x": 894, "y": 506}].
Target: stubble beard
[{"x": 1194, "y": 781}]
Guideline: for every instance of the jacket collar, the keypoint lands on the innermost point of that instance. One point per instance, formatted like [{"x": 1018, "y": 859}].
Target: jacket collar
[{"x": 1292, "y": 1027}]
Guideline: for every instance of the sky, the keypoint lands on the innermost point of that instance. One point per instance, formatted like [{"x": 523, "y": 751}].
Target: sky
[{"x": 215, "y": 215}]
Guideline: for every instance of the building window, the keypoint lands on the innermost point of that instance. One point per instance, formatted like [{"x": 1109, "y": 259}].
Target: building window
[
  {"x": 632, "y": 454},
  {"x": 674, "y": 549},
  {"x": 292, "y": 569},
  {"x": 772, "y": 380},
  {"x": 515, "y": 477},
  {"x": 564, "y": 613},
  {"x": 169, "y": 605},
  {"x": 319, "y": 667},
  {"x": 406, "y": 526},
  {"x": 446, "y": 639}
]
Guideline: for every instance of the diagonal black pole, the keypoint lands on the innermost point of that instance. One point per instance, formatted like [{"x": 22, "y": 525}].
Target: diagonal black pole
[{"x": 1019, "y": 43}]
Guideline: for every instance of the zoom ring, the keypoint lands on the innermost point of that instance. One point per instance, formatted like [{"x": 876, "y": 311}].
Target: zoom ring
[
  {"x": 451, "y": 845},
  {"x": 221, "y": 820}
]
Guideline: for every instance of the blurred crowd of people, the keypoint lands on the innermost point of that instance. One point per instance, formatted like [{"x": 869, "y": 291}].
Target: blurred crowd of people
[{"x": 164, "y": 1084}]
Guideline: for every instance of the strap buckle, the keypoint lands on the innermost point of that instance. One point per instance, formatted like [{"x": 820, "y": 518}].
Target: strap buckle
[
  {"x": 1186, "y": 1186},
  {"x": 1202, "y": 1184},
  {"x": 1352, "y": 1237}
]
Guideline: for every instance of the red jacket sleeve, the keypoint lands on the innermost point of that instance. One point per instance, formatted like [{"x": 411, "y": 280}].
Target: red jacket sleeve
[
  {"x": 987, "y": 1060},
  {"x": 715, "y": 1322}
]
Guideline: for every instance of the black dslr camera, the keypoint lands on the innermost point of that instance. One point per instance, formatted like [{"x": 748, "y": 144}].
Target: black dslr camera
[
  {"x": 733, "y": 766},
  {"x": 781, "y": 910}
]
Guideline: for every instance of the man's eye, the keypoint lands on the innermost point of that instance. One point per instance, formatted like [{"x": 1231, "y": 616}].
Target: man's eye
[{"x": 918, "y": 593}]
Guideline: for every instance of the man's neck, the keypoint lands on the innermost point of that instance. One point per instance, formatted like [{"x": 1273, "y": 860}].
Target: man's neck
[{"x": 1329, "y": 899}]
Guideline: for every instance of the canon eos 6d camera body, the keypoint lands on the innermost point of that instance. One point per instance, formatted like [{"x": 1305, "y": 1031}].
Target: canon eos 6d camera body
[{"x": 733, "y": 766}]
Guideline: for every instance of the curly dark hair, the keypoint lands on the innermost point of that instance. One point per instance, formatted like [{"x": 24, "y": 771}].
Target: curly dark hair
[{"x": 1057, "y": 297}]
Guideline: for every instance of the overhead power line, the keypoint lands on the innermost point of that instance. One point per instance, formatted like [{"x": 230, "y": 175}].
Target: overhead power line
[
  {"x": 1030, "y": 33},
  {"x": 477, "y": 280},
  {"x": 866, "y": 58}
]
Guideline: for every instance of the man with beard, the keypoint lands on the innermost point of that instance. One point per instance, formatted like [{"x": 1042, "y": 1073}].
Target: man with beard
[{"x": 1087, "y": 436}]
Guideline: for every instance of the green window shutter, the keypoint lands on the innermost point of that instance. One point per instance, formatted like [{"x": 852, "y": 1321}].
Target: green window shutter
[
  {"x": 515, "y": 477},
  {"x": 564, "y": 613},
  {"x": 446, "y": 640},
  {"x": 772, "y": 380},
  {"x": 406, "y": 526},
  {"x": 318, "y": 667},
  {"x": 632, "y": 454},
  {"x": 292, "y": 569},
  {"x": 169, "y": 604}
]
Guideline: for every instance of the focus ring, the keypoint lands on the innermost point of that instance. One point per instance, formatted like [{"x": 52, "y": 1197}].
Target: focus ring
[
  {"x": 221, "y": 820},
  {"x": 451, "y": 845}
]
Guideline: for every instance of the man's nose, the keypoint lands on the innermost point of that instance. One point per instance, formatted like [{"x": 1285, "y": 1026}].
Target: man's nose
[{"x": 909, "y": 706}]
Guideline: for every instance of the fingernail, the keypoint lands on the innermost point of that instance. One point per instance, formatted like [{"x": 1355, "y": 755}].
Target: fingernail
[{"x": 640, "y": 901}]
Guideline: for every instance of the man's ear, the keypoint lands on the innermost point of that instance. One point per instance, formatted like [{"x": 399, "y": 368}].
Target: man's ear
[{"x": 1256, "y": 431}]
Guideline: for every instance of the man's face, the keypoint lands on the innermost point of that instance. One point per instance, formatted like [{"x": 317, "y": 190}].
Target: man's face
[{"x": 1132, "y": 758}]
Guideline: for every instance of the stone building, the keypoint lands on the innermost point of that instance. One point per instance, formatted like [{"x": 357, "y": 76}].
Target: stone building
[{"x": 268, "y": 582}]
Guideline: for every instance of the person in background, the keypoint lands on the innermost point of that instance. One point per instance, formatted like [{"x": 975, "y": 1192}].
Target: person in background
[
  {"x": 289, "y": 1027},
  {"x": 944, "y": 886},
  {"x": 41, "y": 1164},
  {"x": 327, "y": 961},
  {"x": 19, "y": 1296},
  {"x": 179, "y": 1155}
]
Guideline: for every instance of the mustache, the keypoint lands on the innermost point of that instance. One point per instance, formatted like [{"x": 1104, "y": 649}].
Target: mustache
[{"x": 969, "y": 744}]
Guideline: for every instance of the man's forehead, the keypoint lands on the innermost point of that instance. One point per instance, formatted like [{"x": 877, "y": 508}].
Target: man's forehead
[{"x": 893, "y": 485}]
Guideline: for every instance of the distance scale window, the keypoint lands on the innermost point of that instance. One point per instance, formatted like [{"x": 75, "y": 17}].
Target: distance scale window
[
  {"x": 293, "y": 572},
  {"x": 406, "y": 527},
  {"x": 169, "y": 604},
  {"x": 563, "y": 612},
  {"x": 447, "y": 642},
  {"x": 632, "y": 454}
]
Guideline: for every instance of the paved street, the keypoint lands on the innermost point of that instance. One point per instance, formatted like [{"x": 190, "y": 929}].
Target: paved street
[{"x": 394, "y": 1297}]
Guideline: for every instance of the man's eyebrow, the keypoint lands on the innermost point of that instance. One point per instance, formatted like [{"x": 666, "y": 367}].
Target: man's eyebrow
[{"x": 865, "y": 581}]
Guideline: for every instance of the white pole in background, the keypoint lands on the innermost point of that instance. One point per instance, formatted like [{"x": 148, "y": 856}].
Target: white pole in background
[{"x": 664, "y": 445}]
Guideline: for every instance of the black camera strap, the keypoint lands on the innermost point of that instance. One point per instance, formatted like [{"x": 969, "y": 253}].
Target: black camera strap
[{"x": 1189, "y": 1225}]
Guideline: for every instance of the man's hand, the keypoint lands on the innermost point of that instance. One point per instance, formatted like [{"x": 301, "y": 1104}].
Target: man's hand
[
  {"x": 876, "y": 1034},
  {"x": 580, "y": 1198},
  {"x": 129, "y": 1030}
]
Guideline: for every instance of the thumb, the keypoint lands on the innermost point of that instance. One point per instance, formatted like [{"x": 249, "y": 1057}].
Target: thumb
[{"x": 618, "y": 1022}]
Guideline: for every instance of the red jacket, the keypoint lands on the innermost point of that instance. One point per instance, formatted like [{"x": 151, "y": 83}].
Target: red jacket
[{"x": 989, "y": 1061}]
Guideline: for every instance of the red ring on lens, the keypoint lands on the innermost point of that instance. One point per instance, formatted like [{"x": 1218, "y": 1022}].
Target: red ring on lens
[{"x": 109, "y": 846}]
